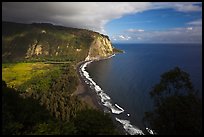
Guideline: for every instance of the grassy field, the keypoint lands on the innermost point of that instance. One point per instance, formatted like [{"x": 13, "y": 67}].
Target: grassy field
[{"x": 15, "y": 74}]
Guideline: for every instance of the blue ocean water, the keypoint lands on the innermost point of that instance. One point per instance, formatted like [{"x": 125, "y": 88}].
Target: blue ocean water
[{"x": 128, "y": 78}]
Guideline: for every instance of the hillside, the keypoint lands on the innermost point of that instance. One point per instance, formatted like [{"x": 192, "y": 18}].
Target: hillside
[
  {"x": 43, "y": 41},
  {"x": 38, "y": 88}
]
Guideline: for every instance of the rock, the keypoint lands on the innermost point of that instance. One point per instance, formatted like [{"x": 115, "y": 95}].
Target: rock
[{"x": 101, "y": 47}]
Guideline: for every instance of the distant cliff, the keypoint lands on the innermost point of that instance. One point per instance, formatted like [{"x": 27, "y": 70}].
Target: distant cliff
[{"x": 43, "y": 41}]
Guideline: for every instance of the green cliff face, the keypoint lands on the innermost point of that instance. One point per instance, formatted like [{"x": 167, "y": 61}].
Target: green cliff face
[{"x": 42, "y": 42}]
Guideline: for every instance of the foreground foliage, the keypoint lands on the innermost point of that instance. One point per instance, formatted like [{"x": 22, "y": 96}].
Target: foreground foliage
[
  {"x": 42, "y": 102},
  {"x": 90, "y": 122},
  {"x": 178, "y": 109},
  {"x": 22, "y": 116}
]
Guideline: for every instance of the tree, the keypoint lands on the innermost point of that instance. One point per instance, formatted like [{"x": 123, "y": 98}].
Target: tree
[
  {"x": 178, "y": 109},
  {"x": 94, "y": 122},
  {"x": 20, "y": 115}
]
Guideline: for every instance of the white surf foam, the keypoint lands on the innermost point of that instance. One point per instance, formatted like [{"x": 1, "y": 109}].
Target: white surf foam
[
  {"x": 105, "y": 99},
  {"x": 132, "y": 130},
  {"x": 114, "y": 109},
  {"x": 119, "y": 107},
  {"x": 111, "y": 56},
  {"x": 150, "y": 131}
]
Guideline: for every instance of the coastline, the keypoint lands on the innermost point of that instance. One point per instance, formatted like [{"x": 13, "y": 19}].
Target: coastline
[{"x": 84, "y": 92}]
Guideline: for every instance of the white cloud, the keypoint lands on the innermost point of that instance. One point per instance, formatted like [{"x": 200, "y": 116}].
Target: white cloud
[
  {"x": 187, "y": 7},
  {"x": 192, "y": 34},
  {"x": 139, "y": 38},
  {"x": 140, "y": 30},
  {"x": 179, "y": 6},
  {"x": 189, "y": 28},
  {"x": 90, "y": 15},
  {"x": 122, "y": 37},
  {"x": 135, "y": 30},
  {"x": 196, "y": 22}
]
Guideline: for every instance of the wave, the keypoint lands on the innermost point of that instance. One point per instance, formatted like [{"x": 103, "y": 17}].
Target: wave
[
  {"x": 111, "y": 56},
  {"x": 150, "y": 131},
  {"x": 132, "y": 130},
  {"x": 119, "y": 107},
  {"x": 106, "y": 101}
]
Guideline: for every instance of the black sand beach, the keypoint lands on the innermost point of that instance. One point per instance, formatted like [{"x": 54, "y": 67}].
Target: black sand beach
[{"x": 85, "y": 93}]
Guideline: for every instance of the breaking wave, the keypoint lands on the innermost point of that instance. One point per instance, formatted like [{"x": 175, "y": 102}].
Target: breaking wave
[
  {"x": 132, "y": 130},
  {"x": 106, "y": 100}
]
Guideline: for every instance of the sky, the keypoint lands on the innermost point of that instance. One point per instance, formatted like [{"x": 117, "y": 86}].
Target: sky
[{"x": 123, "y": 22}]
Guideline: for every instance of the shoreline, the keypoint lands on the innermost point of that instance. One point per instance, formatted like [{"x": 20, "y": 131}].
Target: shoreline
[
  {"x": 86, "y": 94},
  {"x": 92, "y": 98}
]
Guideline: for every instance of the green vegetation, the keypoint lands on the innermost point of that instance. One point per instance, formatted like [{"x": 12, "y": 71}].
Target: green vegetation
[
  {"x": 16, "y": 74},
  {"x": 39, "y": 42},
  {"x": 38, "y": 87},
  {"x": 52, "y": 85},
  {"x": 43, "y": 104},
  {"x": 42, "y": 101},
  {"x": 89, "y": 122},
  {"x": 20, "y": 115},
  {"x": 25, "y": 116},
  {"x": 20, "y": 41},
  {"x": 117, "y": 50},
  {"x": 178, "y": 110}
]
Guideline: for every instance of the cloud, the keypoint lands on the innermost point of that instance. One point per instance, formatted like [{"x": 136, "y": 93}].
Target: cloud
[
  {"x": 135, "y": 30},
  {"x": 122, "y": 37},
  {"x": 189, "y": 28},
  {"x": 191, "y": 34},
  {"x": 187, "y": 7},
  {"x": 83, "y": 15},
  {"x": 178, "y": 6},
  {"x": 139, "y": 38},
  {"x": 196, "y": 22},
  {"x": 89, "y": 15}
]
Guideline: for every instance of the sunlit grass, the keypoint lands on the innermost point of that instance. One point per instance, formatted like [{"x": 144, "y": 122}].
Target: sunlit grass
[{"x": 16, "y": 74}]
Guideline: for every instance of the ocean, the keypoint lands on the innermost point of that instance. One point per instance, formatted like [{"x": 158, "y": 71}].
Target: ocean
[{"x": 123, "y": 82}]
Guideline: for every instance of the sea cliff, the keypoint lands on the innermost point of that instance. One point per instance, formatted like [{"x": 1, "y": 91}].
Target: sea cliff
[
  {"x": 40, "y": 61},
  {"x": 100, "y": 48},
  {"x": 45, "y": 42}
]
